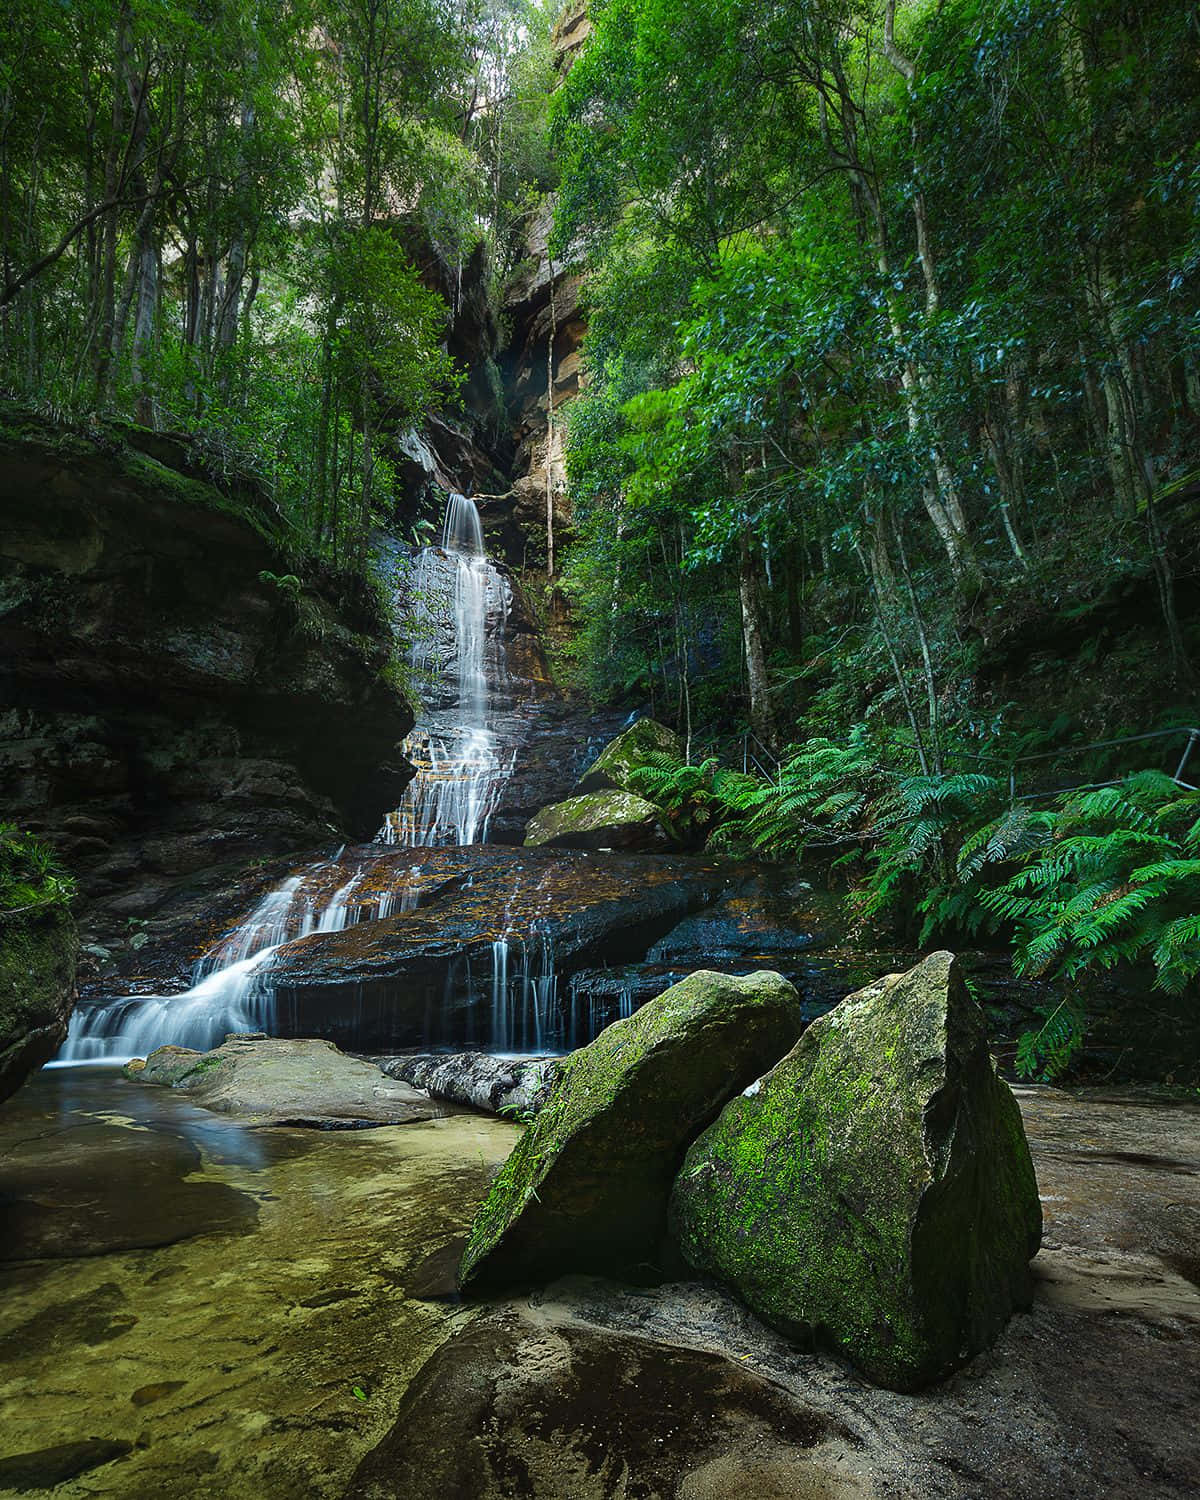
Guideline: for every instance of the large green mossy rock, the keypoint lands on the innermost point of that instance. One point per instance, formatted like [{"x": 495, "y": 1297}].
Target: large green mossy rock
[
  {"x": 587, "y": 1186},
  {"x": 38, "y": 950},
  {"x": 601, "y": 820},
  {"x": 876, "y": 1191},
  {"x": 629, "y": 752}
]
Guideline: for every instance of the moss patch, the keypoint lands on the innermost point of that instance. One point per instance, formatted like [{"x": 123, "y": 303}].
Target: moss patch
[
  {"x": 587, "y": 1186},
  {"x": 629, "y": 752},
  {"x": 877, "y": 1190},
  {"x": 600, "y": 818},
  {"x": 39, "y": 946}
]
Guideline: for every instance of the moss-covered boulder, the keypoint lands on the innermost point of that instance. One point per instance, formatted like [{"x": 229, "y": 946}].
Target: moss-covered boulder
[
  {"x": 587, "y": 1186},
  {"x": 38, "y": 949},
  {"x": 629, "y": 752},
  {"x": 876, "y": 1190},
  {"x": 601, "y": 820}
]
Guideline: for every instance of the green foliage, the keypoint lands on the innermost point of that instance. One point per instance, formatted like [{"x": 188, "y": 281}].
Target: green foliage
[
  {"x": 287, "y": 584},
  {"x": 30, "y": 873},
  {"x": 211, "y": 218},
  {"x": 1087, "y": 881},
  {"x": 1048, "y": 1051},
  {"x": 1114, "y": 878},
  {"x": 694, "y": 798},
  {"x": 896, "y": 441}
]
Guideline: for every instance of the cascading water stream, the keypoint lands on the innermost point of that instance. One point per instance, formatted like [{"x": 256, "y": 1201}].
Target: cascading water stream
[
  {"x": 460, "y": 602},
  {"x": 461, "y": 768}
]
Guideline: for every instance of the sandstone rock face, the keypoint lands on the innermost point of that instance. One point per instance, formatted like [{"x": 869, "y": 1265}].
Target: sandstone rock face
[
  {"x": 600, "y": 820},
  {"x": 277, "y": 1082},
  {"x": 165, "y": 706},
  {"x": 629, "y": 752},
  {"x": 587, "y": 1186},
  {"x": 38, "y": 949},
  {"x": 876, "y": 1188}
]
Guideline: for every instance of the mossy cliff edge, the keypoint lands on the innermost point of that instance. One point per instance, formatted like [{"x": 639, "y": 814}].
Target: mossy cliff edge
[
  {"x": 172, "y": 694},
  {"x": 38, "y": 950}
]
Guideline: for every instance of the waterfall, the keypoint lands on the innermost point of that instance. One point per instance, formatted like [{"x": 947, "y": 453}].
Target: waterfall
[
  {"x": 460, "y": 607},
  {"x": 231, "y": 985},
  {"x": 459, "y": 603},
  {"x": 525, "y": 1016}
]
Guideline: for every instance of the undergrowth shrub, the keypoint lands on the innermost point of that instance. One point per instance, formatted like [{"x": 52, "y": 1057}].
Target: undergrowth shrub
[
  {"x": 30, "y": 874},
  {"x": 1085, "y": 881}
]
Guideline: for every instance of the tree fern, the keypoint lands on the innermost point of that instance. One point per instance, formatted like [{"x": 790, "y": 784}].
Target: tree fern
[{"x": 1047, "y": 1051}]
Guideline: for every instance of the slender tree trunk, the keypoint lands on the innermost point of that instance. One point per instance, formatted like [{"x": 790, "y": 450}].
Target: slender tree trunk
[
  {"x": 999, "y": 447},
  {"x": 143, "y": 331},
  {"x": 762, "y": 713},
  {"x": 550, "y": 429}
]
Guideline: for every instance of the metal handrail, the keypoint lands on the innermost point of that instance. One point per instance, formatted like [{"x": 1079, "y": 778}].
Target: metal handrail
[
  {"x": 1191, "y": 731},
  {"x": 1011, "y": 763}
]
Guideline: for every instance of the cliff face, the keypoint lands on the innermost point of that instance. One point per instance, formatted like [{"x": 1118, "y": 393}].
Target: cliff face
[
  {"x": 165, "y": 707},
  {"x": 542, "y": 370}
]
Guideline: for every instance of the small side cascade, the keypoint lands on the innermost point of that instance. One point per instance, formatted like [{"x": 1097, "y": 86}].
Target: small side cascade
[
  {"x": 525, "y": 1015},
  {"x": 231, "y": 988}
]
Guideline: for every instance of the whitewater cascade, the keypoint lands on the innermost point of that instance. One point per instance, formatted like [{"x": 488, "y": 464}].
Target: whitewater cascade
[
  {"x": 460, "y": 608},
  {"x": 459, "y": 604}
]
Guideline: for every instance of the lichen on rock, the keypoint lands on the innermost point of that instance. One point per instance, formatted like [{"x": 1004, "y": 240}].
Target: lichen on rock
[
  {"x": 629, "y": 752},
  {"x": 587, "y": 1186},
  {"x": 606, "y": 819},
  {"x": 876, "y": 1191}
]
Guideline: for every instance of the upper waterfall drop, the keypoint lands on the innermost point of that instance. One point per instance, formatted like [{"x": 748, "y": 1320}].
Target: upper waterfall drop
[{"x": 460, "y": 605}]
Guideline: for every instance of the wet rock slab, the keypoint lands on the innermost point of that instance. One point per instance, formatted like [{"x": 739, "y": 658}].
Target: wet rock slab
[
  {"x": 421, "y": 977},
  {"x": 94, "y": 1186},
  {"x": 274, "y": 1081}
]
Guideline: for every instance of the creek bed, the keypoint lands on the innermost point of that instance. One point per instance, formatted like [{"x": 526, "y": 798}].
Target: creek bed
[
  {"x": 193, "y": 1307},
  {"x": 229, "y": 1302}
]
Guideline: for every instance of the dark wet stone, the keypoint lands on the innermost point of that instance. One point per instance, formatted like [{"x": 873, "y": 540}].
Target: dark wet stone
[
  {"x": 562, "y": 738},
  {"x": 511, "y": 1408},
  {"x": 95, "y": 1188},
  {"x": 329, "y": 1298},
  {"x": 767, "y": 915},
  {"x": 424, "y": 977},
  {"x": 435, "y": 1277},
  {"x": 48, "y": 1467},
  {"x": 95, "y": 1318},
  {"x": 147, "y": 1395}
]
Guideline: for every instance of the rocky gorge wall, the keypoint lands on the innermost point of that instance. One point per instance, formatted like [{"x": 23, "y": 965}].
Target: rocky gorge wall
[
  {"x": 167, "y": 706},
  {"x": 504, "y": 441}
]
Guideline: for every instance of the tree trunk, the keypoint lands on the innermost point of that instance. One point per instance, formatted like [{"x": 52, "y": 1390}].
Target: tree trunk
[{"x": 762, "y": 713}]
